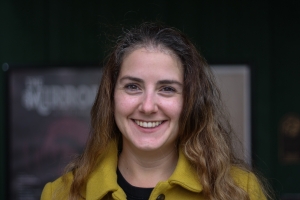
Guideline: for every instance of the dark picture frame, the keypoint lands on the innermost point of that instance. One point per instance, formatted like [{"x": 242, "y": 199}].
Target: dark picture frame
[
  {"x": 48, "y": 122},
  {"x": 48, "y": 119}
]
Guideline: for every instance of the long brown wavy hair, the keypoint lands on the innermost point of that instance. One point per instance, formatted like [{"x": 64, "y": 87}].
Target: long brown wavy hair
[{"x": 204, "y": 132}]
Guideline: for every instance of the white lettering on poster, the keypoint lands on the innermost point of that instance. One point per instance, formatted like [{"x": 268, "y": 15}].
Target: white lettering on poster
[{"x": 46, "y": 98}]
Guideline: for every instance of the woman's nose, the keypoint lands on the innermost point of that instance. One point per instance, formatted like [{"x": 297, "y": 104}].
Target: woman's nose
[{"x": 148, "y": 104}]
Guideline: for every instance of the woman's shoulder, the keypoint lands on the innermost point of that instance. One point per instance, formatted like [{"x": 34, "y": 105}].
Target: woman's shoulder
[
  {"x": 58, "y": 189},
  {"x": 248, "y": 181}
]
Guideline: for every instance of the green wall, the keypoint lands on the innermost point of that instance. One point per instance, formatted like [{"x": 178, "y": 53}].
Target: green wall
[
  {"x": 285, "y": 81},
  {"x": 263, "y": 34}
]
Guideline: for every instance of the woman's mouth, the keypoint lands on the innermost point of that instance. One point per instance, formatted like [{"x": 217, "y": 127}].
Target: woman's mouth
[{"x": 145, "y": 124}]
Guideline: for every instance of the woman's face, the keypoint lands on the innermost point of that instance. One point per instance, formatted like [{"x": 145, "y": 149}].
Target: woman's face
[{"x": 148, "y": 99}]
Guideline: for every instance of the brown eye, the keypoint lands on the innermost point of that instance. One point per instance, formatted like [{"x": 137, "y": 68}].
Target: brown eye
[
  {"x": 132, "y": 88},
  {"x": 168, "y": 89}
]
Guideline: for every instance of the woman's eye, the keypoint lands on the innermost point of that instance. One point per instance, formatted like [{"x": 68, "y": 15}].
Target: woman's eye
[
  {"x": 131, "y": 87},
  {"x": 168, "y": 89}
]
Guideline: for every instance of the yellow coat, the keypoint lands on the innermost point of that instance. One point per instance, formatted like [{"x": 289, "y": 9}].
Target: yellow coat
[{"x": 182, "y": 185}]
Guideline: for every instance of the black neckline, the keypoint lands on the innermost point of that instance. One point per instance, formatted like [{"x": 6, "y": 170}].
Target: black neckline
[{"x": 133, "y": 192}]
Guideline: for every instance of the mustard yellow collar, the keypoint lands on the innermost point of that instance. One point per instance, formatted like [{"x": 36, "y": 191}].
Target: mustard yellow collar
[{"x": 104, "y": 178}]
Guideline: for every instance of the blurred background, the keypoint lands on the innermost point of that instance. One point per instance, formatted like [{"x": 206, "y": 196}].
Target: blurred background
[{"x": 261, "y": 34}]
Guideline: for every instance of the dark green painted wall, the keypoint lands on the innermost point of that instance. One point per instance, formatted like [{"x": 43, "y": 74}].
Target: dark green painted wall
[
  {"x": 285, "y": 82},
  {"x": 264, "y": 34}
]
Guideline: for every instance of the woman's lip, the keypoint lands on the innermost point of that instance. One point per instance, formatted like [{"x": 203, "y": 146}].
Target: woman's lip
[{"x": 148, "y": 124}]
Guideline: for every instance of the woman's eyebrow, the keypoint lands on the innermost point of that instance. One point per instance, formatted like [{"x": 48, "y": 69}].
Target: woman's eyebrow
[
  {"x": 170, "y": 82},
  {"x": 160, "y": 82},
  {"x": 131, "y": 78}
]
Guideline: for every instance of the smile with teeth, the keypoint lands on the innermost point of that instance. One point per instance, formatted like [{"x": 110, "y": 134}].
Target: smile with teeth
[{"x": 147, "y": 124}]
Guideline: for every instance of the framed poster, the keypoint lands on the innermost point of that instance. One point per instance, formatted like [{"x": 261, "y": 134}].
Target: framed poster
[
  {"x": 49, "y": 119},
  {"x": 48, "y": 123},
  {"x": 289, "y": 139},
  {"x": 234, "y": 82}
]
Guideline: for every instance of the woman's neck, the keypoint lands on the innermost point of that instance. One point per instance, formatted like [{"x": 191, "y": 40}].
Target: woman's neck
[{"x": 146, "y": 169}]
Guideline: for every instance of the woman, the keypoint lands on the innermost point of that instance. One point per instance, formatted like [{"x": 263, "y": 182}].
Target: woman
[{"x": 158, "y": 131}]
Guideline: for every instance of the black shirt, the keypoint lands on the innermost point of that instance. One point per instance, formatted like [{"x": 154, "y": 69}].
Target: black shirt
[{"x": 132, "y": 192}]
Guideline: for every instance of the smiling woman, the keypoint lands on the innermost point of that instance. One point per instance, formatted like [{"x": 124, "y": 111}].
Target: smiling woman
[
  {"x": 148, "y": 101},
  {"x": 158, "y": 130}
]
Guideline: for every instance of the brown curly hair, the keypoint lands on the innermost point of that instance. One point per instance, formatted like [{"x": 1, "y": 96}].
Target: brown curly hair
[{"x": 204, "y": 133}]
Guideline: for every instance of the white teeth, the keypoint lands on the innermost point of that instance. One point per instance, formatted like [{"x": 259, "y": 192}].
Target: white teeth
[{"x": 148, "y": 124}]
